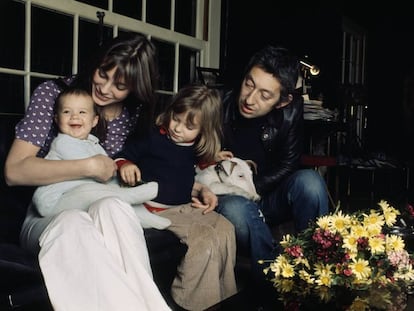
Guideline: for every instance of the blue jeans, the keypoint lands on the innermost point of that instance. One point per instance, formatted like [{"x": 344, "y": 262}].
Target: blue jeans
[{"x": 301, "y": 197}]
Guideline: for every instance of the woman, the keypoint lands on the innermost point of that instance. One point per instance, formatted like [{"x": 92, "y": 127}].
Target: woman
[{"x": 95, "y": 259}]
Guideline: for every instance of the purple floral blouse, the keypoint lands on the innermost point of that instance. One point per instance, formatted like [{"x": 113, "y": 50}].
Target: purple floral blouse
[{"x": 38, "y": 128}]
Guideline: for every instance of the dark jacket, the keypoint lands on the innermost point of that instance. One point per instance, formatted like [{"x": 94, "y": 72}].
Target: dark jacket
[
  {"x": 281, "y": 139},
  {"x": 161, "y": 160}
]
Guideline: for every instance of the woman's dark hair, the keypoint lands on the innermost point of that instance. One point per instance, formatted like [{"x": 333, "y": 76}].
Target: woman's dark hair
[
  {"x": 281, "y": 64},
  {"x": 135, "y": 58}
]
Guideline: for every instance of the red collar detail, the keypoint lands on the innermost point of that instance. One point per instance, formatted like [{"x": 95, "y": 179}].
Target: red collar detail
[
  {"x": 203, "y": 165},
  {"x": 163, "y": 131}
]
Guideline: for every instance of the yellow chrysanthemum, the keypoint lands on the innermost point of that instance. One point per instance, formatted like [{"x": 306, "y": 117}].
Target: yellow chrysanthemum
[
  {"x": 340, "y": 222},
  {"x": 376, "y": 244},
  {"x": 320, "y": 268},
  {"x": 374, "y": 221},
  {"x": 406, "y": 274},
  {"x": 287, "y": 270},
  {"x": 306, "y": 276},
  {"x": 360, "y": 268},
  {"x": 390, "y": 213},
  {"x": 276, "y": 265},
  {"x": 302, "y": 261},
  {"x": 373, "y": 231},
  {"x": 350, "y": 242},
  {"x": 285, "y": 240},
  {"x": 394, "y": 243},
  {"x": 324, "y": 222},
  {"x": 359, "y": 230},
  {"x": 325, "y": 279}
]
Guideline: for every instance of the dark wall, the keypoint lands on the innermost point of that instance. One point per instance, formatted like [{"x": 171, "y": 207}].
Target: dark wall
[{"x": 315, "y": 30}]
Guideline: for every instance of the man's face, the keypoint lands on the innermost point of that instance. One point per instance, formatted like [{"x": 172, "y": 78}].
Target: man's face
[{"x": 260, "y": 93}]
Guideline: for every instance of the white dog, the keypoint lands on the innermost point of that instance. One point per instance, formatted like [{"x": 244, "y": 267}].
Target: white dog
[{"x": 232, "y": 176}]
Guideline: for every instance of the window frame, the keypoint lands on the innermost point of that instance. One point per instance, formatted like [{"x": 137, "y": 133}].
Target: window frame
[{"x": 206, "y": 41}]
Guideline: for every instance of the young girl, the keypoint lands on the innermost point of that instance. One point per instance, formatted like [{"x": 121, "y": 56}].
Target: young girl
[{"x": 186, "y": 133}]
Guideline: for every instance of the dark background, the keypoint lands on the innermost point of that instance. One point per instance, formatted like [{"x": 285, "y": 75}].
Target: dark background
[{"x": 315, "y": 29}]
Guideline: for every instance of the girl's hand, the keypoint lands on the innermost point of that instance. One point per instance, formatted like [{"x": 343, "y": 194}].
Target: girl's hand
[
  {"x": 206, "y": 200},
  {"x": 130, "y": 174}
]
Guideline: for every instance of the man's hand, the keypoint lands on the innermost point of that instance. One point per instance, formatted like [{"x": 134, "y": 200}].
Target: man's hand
[{"x": 224, "y": 155}]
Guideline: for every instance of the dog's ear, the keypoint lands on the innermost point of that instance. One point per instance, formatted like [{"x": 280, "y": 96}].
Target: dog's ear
[
  {"x": 253, "y": 166},
  {"x": 227, "y": 166}
]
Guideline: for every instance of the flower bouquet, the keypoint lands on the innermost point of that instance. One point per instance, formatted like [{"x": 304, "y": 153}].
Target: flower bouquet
[{"x": 350, "y": 260}]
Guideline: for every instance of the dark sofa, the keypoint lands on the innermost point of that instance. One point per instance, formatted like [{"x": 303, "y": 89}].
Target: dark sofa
[{"x": 21, "y": 284}]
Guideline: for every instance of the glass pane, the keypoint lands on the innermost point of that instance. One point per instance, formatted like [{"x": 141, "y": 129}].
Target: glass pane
[
  {"x": 159, "y": 13},
  {"x": 187, "y": 66},
  {"x": 11, "y": 90},
  {"x": 131, "y": 8},
  {"x": 185, "y": 16},
  {"x": 90, "y": 35},
  {"x": 51, "y": 50},
  {"x": 98, "y": 3},
  {"x": 12, "y": 48},
  {"x": 166, "y": 64}
]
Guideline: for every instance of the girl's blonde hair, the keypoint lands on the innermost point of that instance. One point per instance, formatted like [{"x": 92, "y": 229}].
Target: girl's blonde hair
[{"x": 204, "y": 102}]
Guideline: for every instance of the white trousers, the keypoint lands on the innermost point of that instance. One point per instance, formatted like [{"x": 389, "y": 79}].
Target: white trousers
[{"x": 98, "y": 260}]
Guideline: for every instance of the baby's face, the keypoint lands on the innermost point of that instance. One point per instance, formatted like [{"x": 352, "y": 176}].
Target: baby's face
[{"x": 76, "y": 116}]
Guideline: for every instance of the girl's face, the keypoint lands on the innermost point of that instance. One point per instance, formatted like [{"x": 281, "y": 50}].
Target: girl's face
[
  {"x": 76, "y": 115},
  {"x": 107, "y": 91},
  {"x": 182, "y": 131}
]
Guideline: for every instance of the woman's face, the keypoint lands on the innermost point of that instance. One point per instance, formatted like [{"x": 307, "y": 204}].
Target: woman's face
[{"x": 107, "y": 91}]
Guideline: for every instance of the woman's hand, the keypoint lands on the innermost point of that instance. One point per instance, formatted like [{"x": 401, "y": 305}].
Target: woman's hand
[
  {"x": 101, "y": 168},
  {"x": 22, "y": 167},
  {"x": 205, "y": 199}
]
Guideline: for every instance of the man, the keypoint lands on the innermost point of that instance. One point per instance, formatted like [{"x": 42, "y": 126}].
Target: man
[{"x": 263, "y": 122}]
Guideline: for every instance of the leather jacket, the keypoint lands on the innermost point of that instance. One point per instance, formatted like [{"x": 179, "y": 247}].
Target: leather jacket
[{"x": 281, "y": 138}]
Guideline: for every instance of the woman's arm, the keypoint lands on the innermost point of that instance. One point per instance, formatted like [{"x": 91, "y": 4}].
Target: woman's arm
[{"x": 22, "y": 167}]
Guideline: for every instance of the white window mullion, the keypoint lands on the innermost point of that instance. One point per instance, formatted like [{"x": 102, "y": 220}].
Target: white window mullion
[
  {"x": 144, "y": 11},
  {"x": 75, "y": 57},
  {"x": 27, "y": 43},
  {"x": 172, "y": 17},
  {"x": 176, "y": 65}
]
